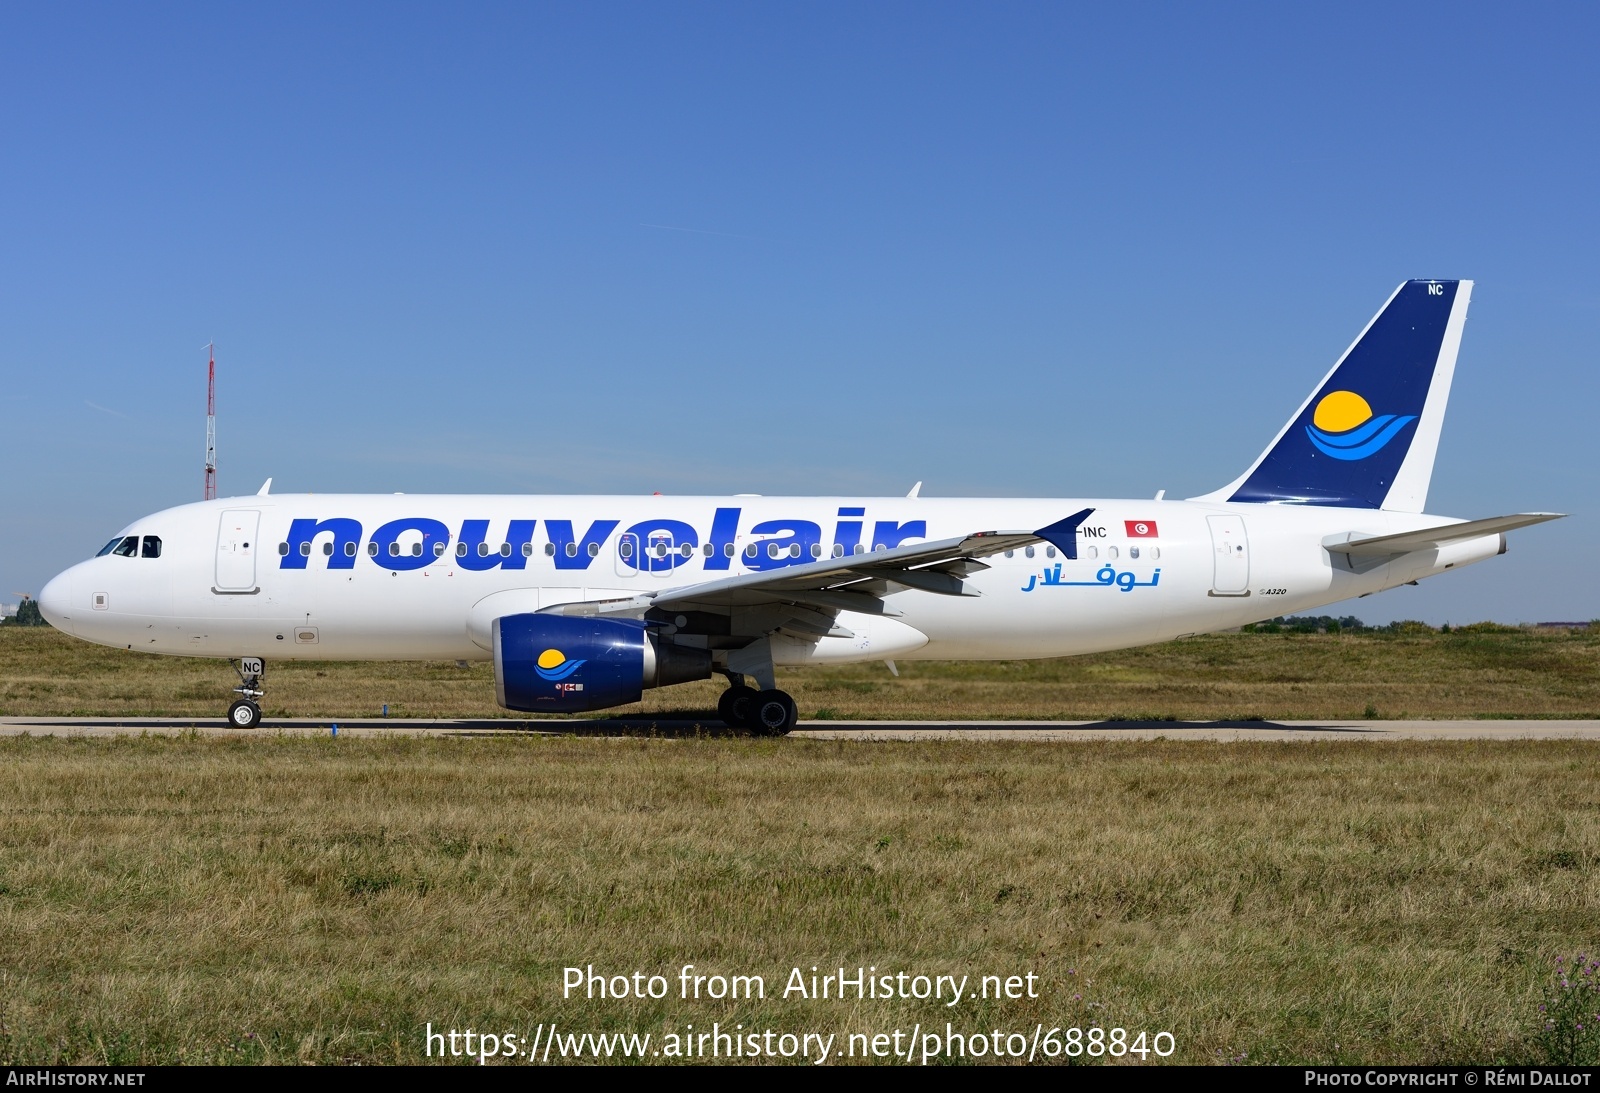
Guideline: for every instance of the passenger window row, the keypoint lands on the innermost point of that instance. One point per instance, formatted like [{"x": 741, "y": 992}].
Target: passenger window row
[
  {"x": 149, "y": 546},
  {"x": 415, "y": 551},
  {"x": 1088, "y": 553},
  {"x": 625, "y": 549}
]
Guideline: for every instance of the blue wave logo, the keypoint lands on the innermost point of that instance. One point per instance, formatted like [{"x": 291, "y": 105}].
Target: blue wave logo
[
  {"x": 554, "y": 666},
  {"x": 1344, "y": 426}
]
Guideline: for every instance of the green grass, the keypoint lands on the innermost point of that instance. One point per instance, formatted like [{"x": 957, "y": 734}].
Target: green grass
[
  {"x": 273, "y": 899},
  {"x": 1465, "y": 674}
]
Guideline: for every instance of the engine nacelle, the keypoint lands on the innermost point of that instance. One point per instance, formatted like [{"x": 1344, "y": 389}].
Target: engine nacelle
[{"x": 569, "y": 664}]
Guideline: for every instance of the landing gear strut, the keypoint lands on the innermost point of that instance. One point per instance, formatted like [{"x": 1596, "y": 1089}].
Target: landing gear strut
[
  {"x": 245, "y": 713},
  {"x": 765, "y": 713}
]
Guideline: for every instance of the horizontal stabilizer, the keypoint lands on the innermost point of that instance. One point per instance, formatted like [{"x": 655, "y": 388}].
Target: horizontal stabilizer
[{"x": 1431, "y": 538}]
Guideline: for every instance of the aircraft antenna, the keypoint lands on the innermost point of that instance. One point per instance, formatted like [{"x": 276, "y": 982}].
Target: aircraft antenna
[{"x": 211, "y": 423}]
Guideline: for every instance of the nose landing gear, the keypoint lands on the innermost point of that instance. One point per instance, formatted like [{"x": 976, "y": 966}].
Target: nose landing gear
[{"x": 245, "y": 713}]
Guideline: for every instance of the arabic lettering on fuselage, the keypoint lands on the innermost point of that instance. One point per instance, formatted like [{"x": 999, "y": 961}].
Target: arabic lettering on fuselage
[
  {"x": 653, "y": 545},
  {"x": 1105, "y": 577}
]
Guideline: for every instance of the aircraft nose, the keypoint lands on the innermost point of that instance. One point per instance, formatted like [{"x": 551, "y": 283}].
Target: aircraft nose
[{"x": 56, "y": 601}]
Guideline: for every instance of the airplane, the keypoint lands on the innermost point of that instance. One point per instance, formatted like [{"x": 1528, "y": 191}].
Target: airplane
[{"x": 584, "y": 602}]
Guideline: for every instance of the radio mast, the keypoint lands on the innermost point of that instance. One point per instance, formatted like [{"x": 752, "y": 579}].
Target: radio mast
[{"x": 211, "y": 424}]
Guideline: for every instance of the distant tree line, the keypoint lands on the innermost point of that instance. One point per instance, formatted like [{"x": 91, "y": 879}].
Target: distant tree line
[
  {"x": 1349, "y": 624},
  {"x": 1307, "y": 624},
  {"x": 28, "y": 614}
]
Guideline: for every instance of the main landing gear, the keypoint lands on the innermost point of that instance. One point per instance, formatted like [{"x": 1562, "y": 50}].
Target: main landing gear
[
  {"x": 245, "y": 713},
  {"x": 765, "y": 713}
]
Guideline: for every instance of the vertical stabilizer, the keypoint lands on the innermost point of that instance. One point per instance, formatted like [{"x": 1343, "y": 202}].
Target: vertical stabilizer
[{"x": 1367, "y": 436}]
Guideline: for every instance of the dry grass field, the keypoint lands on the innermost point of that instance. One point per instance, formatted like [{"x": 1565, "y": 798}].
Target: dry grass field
[
  {"x": 263, "y": 898},
  {"x": 1465, "y": 674},
  {"x": 258, "y": 898}
]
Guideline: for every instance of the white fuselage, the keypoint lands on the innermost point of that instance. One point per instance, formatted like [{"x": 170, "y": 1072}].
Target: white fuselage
[{"x": 222, "y": 586}]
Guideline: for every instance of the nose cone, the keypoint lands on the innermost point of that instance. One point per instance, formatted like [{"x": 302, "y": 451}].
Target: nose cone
[{"x": 56, "y": 602}]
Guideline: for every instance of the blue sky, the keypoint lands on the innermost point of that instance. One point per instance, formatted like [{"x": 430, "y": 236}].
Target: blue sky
[{"x": 824, "y": 248}]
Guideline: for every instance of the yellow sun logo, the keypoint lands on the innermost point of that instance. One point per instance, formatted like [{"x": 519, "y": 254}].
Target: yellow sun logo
[
  {"x": 554, "y": 665},
  {"x": 1341, "y": 411}
]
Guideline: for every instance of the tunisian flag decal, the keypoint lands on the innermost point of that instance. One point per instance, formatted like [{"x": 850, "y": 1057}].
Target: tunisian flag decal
[{"x": 1141, "y": 529}]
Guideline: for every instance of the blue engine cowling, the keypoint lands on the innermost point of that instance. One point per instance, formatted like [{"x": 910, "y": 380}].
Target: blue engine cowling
[{"x": 569, "y": 664}]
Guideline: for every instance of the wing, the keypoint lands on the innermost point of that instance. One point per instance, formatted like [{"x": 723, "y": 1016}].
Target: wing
[{"x": 857, "y": 582}]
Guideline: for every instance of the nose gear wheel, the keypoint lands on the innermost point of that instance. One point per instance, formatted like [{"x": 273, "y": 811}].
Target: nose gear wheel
[{"x": 246, "y": 712}]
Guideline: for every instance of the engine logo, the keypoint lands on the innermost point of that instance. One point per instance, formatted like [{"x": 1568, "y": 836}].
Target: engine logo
[{"x": 553, "y": 665}]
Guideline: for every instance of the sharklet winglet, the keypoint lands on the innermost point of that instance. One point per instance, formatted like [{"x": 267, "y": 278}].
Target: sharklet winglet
[{"x": 1064, "y": 533}]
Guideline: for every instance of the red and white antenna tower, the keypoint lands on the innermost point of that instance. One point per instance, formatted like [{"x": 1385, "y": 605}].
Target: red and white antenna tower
[{"x": 211, "y": 424}]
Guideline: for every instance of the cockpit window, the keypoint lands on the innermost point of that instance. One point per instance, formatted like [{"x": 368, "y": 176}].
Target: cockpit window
[
  {"x": 152, "y": 547},
  {"x": 109, "y": 547},
  {"x": 127, "y": 548}
]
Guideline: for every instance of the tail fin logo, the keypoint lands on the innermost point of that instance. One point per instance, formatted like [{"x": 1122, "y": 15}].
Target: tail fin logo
[
  {"x": 553, "y": 665},
  {"x": 1344, "y": 426}
]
